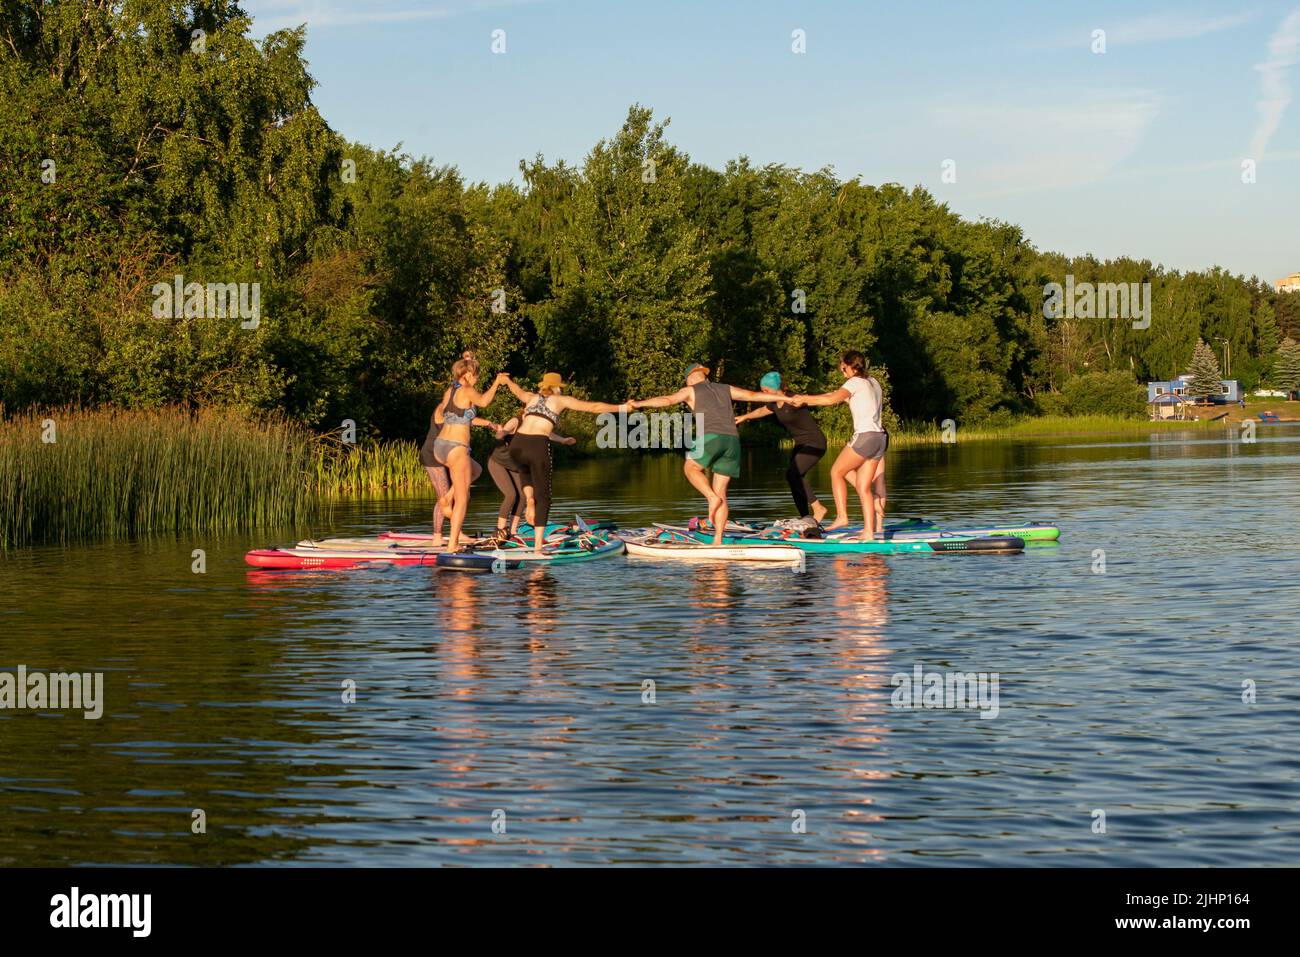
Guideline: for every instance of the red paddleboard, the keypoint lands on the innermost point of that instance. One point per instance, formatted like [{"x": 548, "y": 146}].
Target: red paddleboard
[{"x": 326, "y": 558}]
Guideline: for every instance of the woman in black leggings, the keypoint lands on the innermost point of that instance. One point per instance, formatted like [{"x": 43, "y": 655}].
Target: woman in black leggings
[
  {"x": 505, "y": 473},
  {"x": 809, "y": 445},
  {"x": 530, "y": 449}
]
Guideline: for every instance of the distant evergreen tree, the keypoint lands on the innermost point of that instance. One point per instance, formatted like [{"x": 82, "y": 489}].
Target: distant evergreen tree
[
  {"x": 1286, "y": 370},
  {"x": 1204, "y": 378},
  {"x": 1286, "y": 306}
]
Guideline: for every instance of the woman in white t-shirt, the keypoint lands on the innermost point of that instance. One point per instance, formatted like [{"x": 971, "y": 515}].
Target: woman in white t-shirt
[{"x": 862, "y": 460}]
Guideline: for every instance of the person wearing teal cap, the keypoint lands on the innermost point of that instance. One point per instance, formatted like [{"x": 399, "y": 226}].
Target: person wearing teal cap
[
  {"x": 716, "y": 447},
  {"x": 809, "y": 443}
]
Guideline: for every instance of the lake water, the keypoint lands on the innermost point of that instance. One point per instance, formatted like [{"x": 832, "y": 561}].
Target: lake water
[{"x": 1119, "y": 690}]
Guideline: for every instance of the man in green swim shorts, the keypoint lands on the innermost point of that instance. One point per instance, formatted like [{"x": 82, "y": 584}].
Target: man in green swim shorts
[{"x": 716, "y": 445}]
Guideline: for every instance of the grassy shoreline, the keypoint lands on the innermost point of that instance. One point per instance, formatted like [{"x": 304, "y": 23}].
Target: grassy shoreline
[
  {"x": 1039, "y": 427},
  {"x": 71, "y": 475}
]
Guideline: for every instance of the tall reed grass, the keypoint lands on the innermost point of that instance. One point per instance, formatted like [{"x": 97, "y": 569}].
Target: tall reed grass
[
  {"x": 113, "y": 473},
  {"x": 379, "y": 469}
]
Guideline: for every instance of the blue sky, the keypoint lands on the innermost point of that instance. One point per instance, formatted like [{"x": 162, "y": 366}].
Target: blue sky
[{"x": 1135, "y": 151}]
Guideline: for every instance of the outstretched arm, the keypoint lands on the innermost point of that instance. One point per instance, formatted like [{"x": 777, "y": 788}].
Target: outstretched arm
[
  {"x": 826, "y": 398},
  {"x": 756, "y": 414},
  {"x": 523, "y": 395},
  {"x": 660, "y": 401},
  {"x": 595, "y": 408},
  {"x": 559, "y": 439},
  {"x": 482, "y": 399},
  {"x": 745, "y": 395}
]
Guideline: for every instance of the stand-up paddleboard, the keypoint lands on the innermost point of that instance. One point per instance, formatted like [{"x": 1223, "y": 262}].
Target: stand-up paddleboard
[
  {"x": 1004, "y": 544},
  {"x": 1025, "y": 531},
  {"x": 988, "y": 545},
  {"x": 422, "y": 540},
  {"x": 585, "y": 544},
  {"x": 477, "y": 561},
  {"x": 754, "y": 528},
  {"x": 563, "y": 547},
  {"x": 909, "y": 530},
  {"x": 673, "y": 545},
  {"x": 375, "y": 544},
  {"x": 525, "y": 531},
  {"x": 336, "y": 558}
]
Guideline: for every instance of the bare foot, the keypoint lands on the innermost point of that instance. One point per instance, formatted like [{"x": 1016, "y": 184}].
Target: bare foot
[
  {"x": 838, "y": 523},
  {"x": 530, "y": 513},
  {"x": 818, "y": 512}
]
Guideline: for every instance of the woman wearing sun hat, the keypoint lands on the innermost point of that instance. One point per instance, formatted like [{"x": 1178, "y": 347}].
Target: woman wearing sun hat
[
  {"x": 505, "y": 474},
  {"x": 809, "y": 444},
  {"x": 530, "y": 449}
]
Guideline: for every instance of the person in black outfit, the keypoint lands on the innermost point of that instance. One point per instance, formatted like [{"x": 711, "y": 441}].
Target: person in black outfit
[
  {"x": 505, "y": 473},
  {"x": 530, "y": 447},
  {"x": 809, "y": 445}
]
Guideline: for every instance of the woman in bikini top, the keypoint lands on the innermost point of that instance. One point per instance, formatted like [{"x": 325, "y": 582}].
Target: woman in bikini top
[{"x": 451, "y": 447}]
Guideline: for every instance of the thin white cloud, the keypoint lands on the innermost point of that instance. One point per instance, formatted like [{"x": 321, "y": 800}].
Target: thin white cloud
[
  {"x": 1275, "y": 90},
  {"x": 1023, "y": 147},
  {"x": 1160, "y": 27},
  {"x": 271, "y": 15},
  {"x": 1154, "y": 28}
]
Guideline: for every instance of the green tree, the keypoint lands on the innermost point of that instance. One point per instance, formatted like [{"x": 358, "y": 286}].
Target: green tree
[
  {"x": 135, "y": 153},
  {"x": 1286, "y": 368},
  {"x": 629, "y": 277},
  {"x": 1286, "y": 307},
  {"x": 1204, "y": 379},
  {"x": 1104, "y": 393}
]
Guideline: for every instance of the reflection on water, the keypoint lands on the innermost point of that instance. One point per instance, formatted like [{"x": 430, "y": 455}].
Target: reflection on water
[{"x": 628, "y": 711}]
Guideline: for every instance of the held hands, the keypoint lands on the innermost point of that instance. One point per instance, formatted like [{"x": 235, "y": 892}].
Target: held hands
[{"x": 629, "y": 406}]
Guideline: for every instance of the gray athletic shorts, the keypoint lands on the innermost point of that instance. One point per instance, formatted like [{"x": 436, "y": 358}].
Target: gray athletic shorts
[{"x": 870, "y": 445}]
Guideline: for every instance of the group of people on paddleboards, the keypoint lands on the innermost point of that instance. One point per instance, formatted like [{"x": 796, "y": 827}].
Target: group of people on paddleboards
[{"x": 520, "y": 462}]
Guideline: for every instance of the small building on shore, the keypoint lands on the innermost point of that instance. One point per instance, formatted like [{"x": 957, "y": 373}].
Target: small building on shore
[
  {"x": 1169, "y": 406},
  {"x": 1230, "y": 390},
  {"x": 1290, "y": 284}
]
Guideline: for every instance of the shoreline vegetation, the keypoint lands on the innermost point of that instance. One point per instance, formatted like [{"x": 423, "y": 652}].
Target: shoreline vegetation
[{"x": 78, "y": 475}]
